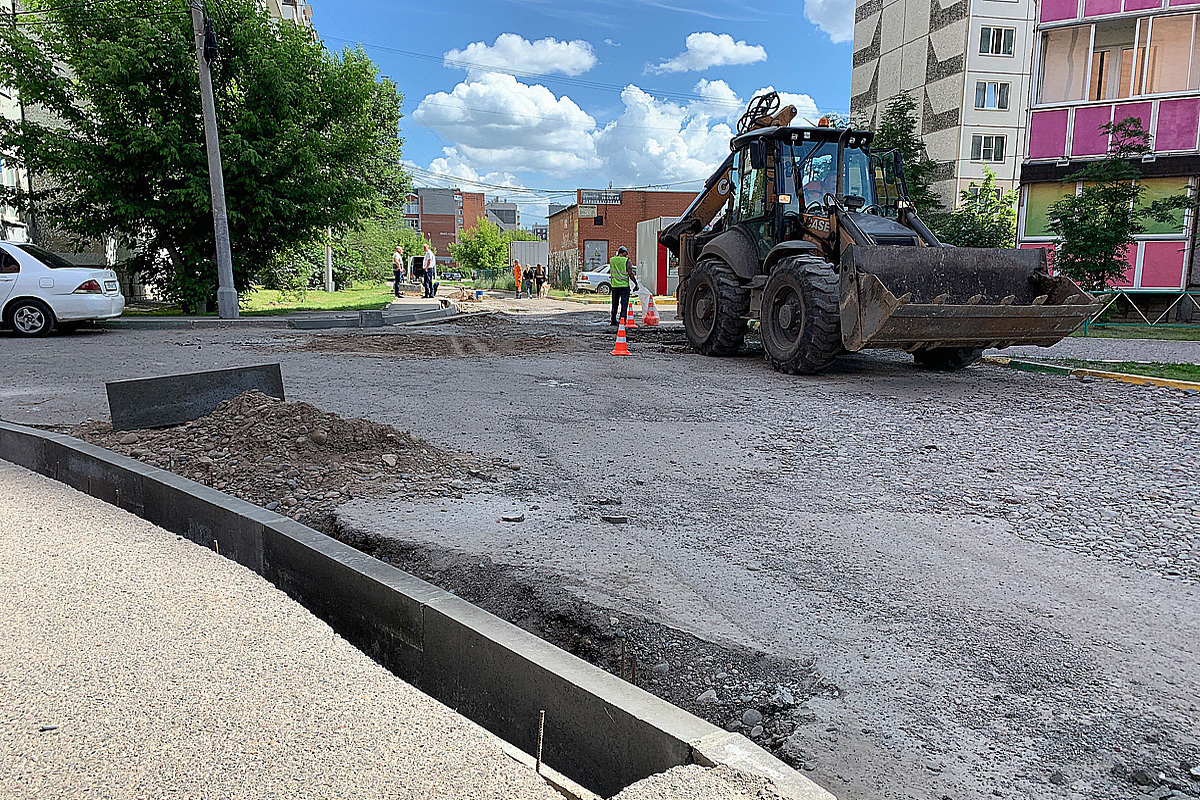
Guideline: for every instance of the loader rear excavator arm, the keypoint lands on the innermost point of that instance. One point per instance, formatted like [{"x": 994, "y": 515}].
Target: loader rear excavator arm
[{"x": 703, "y": 210}]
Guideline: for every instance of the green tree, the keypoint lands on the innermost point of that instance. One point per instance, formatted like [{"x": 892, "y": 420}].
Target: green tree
[
  {"x": 985, "y": 218},
  {"x": 897, "y": 130},
  {"x": 115, "y": 141},
  {"x": 485, "y": 246},
  {"x": 1096, "y": 225},
  {"x": 365, "y": 249}
]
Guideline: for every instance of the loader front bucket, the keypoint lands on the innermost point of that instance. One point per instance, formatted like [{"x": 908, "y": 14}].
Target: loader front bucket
[{"x": 914, "y": 298}]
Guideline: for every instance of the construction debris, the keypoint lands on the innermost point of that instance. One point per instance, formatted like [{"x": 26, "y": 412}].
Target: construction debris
[{"x": 296, "y": 459}]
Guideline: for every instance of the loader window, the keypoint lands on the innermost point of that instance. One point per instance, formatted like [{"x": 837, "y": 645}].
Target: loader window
[{"x": 752, "y": 189}]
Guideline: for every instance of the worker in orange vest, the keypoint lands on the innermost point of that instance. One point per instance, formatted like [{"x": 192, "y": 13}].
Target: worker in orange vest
[{"x": 517, "y": 275}]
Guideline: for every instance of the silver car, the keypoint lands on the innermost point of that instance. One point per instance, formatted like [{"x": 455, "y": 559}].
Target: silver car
[{"x": 594, "y": 281}]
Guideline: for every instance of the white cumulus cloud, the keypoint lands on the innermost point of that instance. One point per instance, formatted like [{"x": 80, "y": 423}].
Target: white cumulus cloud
[
  {"x": 500, "y": 123},
  {"x": 704, "y": 50},
  {"x": 513, "y": 52},
  {"x": 835, "y": 17}
]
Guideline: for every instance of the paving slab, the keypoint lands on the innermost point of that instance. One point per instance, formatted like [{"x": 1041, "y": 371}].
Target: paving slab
[{"x": 138, "y": 665}]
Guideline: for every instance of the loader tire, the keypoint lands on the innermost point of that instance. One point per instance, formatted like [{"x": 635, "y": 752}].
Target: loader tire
[
  {"x": 948, "y": 359},
  {"x": 801, "y": 316},
  {"x": 715, "y": 309}
]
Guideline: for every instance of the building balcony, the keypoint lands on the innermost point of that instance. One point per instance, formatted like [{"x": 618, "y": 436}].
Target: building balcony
[
  {"x": 1074, "y": 130},
  {"x": 1059, "y": 11}
]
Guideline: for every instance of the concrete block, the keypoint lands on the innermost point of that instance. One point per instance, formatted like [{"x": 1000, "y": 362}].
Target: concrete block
[
  {"x": 174, "y": 399},
  {"x": 374, "y": 606},
  {"x": 320, "y": 323},
  {"x": 370, "y": 319},
  {"x": 98, "y": 472},
  {"x": 735, "y": 750},
  {"x": 205, "y": 516},
  {"x": 22, "y": 446},
  {"x": 600, "y": 730}
]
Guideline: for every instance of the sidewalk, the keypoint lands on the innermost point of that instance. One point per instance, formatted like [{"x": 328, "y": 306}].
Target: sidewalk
[
  {"x": 400, "y": 311},
  {"x": 138, "y": 665}
]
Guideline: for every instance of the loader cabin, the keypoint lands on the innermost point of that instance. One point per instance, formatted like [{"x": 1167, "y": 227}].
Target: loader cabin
[{"x": 785, "y": 180}]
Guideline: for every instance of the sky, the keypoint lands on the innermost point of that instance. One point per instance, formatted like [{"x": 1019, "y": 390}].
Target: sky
[{"x": 528, "y": 100}]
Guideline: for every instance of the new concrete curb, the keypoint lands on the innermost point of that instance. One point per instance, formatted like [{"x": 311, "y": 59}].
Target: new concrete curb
[
  {"x": 316, "y": 320},
  {"x": 601, "y": 731},
  {"x": 1059, "y": 369}
]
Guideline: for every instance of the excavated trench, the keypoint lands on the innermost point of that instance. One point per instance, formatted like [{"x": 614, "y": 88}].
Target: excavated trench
[{"x": 739, "y": 689}]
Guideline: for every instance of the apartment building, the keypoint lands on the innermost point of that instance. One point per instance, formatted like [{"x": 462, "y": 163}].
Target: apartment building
[
  {"x": 296, "y": 11},
  {"x": 440, "y": 215},
  {"x": 967, "y": 63},
  {"x": 1099, "y": 61},
  {"x": 506, "y": 216}
]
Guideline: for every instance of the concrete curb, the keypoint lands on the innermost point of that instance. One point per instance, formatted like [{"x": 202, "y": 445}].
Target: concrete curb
[
  {"x": 601, "y": 731},
  {"x": 315, "y": 320},
  {"x": 1057, "y": 369}
]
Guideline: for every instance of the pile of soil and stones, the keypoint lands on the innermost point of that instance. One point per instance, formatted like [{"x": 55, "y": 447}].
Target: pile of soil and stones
[
  {"x": 466, "y": 337},
  {"x": 296, "y": 459}
]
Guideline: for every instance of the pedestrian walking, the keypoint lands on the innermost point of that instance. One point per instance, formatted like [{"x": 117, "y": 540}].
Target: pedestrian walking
[
  {"x": 620, "y": 273},
  {"x": 529, "y": 280},
  {"x": 539, "y": 275},
  {"x": 398, "y": 270},
  {"x": 518, "y": 274},
  {"x": 430, "y": 264}
]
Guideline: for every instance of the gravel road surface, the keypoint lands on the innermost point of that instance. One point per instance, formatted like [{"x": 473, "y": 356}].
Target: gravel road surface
[
  {"x": 138, "y": 665},
  {"x": 997, "y": 570}
]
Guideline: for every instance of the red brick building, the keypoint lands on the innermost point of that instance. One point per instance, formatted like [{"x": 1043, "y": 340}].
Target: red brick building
[
  {"x": 439, "y": 215},
  {"x": 587, "y": 234}
]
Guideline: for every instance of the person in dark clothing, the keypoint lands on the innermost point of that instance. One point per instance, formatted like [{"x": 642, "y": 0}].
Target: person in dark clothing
[
  {"x": 528, "y": 280},
  {"x": 539, "y": 276}
]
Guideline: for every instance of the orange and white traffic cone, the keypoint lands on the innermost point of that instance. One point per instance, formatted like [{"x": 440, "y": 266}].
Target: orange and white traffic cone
[
  {"x": 622, "y": 349},
  {"x": 650, "y": 318},
  {"x": 629, "y": 321}
]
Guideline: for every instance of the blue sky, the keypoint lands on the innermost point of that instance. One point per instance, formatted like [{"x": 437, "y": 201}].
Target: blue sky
[{"x": 551, "y": 95}]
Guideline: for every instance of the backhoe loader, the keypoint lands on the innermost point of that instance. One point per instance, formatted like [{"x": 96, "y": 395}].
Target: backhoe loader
[{"x": 807, "y": 231}]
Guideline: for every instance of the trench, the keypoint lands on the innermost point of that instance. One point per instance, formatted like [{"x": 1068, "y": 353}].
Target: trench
[{"x": 742, "y": 690}]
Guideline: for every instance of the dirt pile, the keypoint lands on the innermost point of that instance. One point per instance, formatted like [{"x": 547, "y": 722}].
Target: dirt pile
[{"x": 295, "y": 458}]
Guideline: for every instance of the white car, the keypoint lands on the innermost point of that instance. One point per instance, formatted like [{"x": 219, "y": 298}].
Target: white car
[
  {"x": 39, "y": 290},
  {"x": 594, "y": 281}
]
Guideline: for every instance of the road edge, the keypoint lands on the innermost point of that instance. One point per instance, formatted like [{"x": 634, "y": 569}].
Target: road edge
[{"x": 601, "y": 731}]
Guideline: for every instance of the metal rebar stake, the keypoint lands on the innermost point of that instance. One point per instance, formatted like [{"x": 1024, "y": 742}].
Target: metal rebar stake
[{"x": 541, "y": 738}]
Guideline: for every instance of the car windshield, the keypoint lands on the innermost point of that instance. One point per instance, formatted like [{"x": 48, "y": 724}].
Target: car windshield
[
  {"x": 810, "y": 166},
  {"x": 52, "y": 260}
]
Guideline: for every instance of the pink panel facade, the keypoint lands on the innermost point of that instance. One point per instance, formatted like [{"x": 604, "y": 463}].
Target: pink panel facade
[
  {"x": 1055, "y": 10},
  {"x": 1094, "y": 8},
  {"x": 1142, "y": 5},
  {"x": 1174, "y": 3},
  {"x": 1086, "y": 138},
  {"x": 1162, "y": 265},
  {"x": 1178, "y": 121},
  {"x": 1048, "y": 134},
  {"x": 1139, "y": 110},
  {"x": 1126, "y": 281}
]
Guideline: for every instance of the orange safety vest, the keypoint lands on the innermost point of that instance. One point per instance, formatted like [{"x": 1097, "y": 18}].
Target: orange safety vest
[{"x": 517, "y": 274}]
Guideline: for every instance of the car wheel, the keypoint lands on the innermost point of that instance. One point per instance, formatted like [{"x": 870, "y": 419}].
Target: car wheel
[
  {"x": 30, "y": 318},
  {"x": 604, "y": 288}
]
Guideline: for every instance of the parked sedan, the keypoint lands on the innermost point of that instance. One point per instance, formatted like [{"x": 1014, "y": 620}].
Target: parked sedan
[
  {"x": 39, "y": 290},
  {"x": 594, "y": 281}
]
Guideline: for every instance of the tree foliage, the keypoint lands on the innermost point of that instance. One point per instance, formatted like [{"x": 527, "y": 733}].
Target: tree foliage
[
  {"x": 897, "y": 130},
  {"x": 115, "y": 140},
  {"x": 1096, "y": 226},
  {"x": 485, "y": 246},
  {"x": 986, "y": 218}
]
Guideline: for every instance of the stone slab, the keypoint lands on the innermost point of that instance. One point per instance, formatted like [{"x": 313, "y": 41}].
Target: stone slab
[{"x": 175, "y": 399}]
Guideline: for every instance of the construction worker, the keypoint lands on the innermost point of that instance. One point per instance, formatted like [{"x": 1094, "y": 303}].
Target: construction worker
[
  {"x": 518, "y": 274},
  {"x": 620, "y": 272}
]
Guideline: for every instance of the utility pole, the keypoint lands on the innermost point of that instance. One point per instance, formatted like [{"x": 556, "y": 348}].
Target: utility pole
[
  {"x": 329, "y": 260},
  {"x": 227, "y": 299}
]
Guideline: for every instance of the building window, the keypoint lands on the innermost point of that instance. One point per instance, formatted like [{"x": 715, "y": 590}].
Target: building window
[
  {"x": 992, "y": 95},
  {"x": 996, "y": 41},
  {"x": 986, "y": 147},
  {"x": 1063, "y": 67}
]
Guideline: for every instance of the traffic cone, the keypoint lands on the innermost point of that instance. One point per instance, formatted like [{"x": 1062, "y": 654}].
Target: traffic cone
[
  {"x": 650, "y": 318},
  {"x": 622, "y": 349},
  {"x": 629, "y": 322}
]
